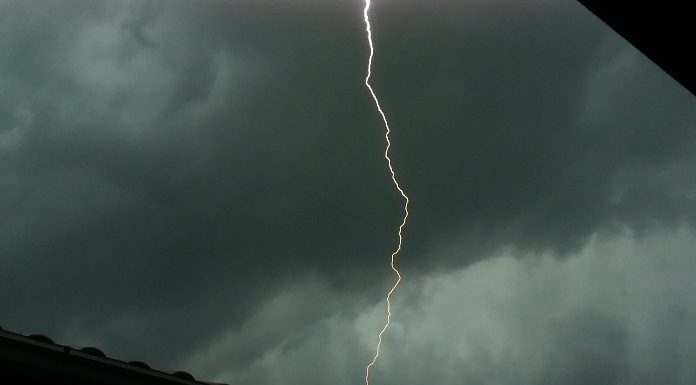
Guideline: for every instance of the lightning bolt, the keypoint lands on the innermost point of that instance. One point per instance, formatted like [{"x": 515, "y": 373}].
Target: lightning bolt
[{"x": 368, "y": 29}]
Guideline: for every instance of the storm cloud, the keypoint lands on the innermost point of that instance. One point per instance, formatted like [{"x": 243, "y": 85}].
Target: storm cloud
[{"x": 202, "y": 182}]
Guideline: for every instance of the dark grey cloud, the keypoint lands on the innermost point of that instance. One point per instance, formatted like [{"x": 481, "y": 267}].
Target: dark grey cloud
[
  {"x": 618, "y": 312},
  {"x": 168, "y": 168},
  {"x": 516, "y": 139}
]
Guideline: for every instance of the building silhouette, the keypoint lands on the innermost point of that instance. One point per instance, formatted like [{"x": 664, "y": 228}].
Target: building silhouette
[{"x": 36, "y": 359}]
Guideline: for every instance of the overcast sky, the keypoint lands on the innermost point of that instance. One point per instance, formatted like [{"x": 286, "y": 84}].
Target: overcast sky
[{"x": 199, "y": 184}]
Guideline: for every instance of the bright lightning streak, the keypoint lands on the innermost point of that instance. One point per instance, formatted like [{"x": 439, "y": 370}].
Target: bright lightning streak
[{"x": 368, "y": 29}]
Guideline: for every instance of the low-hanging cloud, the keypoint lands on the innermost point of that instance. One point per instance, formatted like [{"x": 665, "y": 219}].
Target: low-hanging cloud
[{"x": 175, "y": 165}]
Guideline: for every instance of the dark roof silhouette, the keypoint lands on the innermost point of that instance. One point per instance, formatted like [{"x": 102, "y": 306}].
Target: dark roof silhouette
[
  {"x": 37, "y": 359},
  {"x": 662, "y": 30}
]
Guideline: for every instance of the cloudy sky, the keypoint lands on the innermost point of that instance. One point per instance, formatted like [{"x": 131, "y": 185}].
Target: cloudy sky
[{"x": 199, "y": 184}]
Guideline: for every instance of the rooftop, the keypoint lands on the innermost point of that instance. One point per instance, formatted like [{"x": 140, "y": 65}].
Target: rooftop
[{"x": 37, "y": 358}]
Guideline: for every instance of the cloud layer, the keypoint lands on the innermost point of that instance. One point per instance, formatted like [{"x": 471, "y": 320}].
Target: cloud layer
[
  {"x": 173, "y": 172},
  {"x": 618, "y": 312}
]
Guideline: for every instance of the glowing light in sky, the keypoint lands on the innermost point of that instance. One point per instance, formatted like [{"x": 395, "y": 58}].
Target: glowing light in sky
[{"x": 368, "y": 29}]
